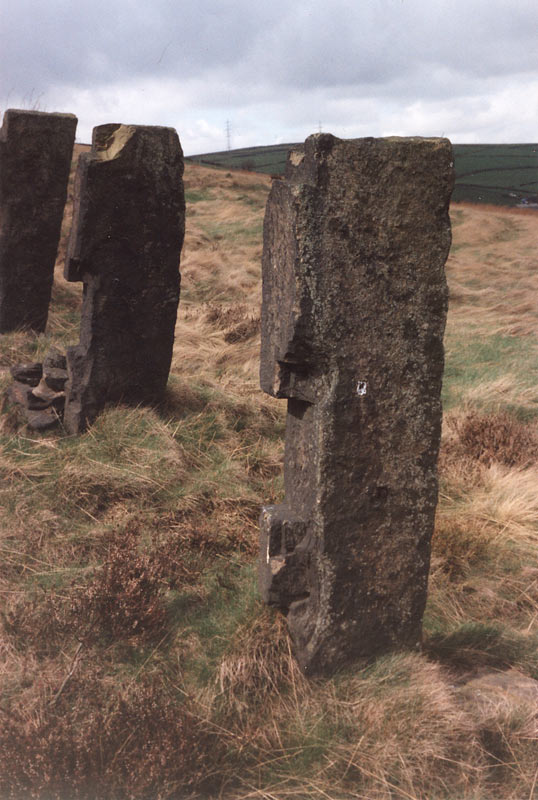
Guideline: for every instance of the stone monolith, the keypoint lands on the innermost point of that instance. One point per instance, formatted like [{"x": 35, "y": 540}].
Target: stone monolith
[
  {"x": 354, "y": 304},
  {"x": 125, "y": 245},
  {"x": 35, "y": 158}
]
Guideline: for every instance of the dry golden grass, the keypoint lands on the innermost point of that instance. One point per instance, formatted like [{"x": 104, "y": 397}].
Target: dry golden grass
[
  {"x": 136, "y": 660},
  {"x": 493, "y": 269},
  {"x": 221, "y": 276}
]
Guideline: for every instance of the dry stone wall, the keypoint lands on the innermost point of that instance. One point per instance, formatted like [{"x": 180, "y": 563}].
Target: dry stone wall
[{"x": 354, "y": 304}]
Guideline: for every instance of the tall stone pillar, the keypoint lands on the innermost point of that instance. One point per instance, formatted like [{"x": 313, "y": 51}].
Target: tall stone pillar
[
  {"x": 354, "y": 304},
  {"x": 35, "y": 158},
  {"x": 125, "y": 245}
]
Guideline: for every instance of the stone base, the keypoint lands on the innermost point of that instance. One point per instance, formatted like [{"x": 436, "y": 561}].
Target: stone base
[{"x": 38, "y": 390}]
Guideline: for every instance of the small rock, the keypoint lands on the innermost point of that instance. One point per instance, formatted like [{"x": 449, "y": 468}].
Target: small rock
[
  {"x": 55, "y": 370},
  {"x": 34, "y": 403},
  {"x": 42, "y": 397},
  {"x": 55, "y": 378},
  {"x": 27, "y": 373},
  {"x": 54, "y": 359},
  {"x": 18, "y": 393},
  {"x": 508, "y": 687},
  {"x": 42, "y": 420},
  {"x": 39, "y": 419}
]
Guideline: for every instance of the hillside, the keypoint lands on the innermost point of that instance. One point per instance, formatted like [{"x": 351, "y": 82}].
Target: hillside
[
  {"x": 505, "y": 175},
  {"x": 136, "y": 660}
]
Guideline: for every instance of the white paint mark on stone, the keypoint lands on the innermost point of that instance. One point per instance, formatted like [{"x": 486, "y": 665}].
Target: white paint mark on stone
[{"x": 362, "y": 386}]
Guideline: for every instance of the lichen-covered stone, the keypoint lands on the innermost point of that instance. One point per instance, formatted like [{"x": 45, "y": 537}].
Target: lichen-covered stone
[
  {"x": 35, "y": 158},
  {"x": 125, "y": 245},
  {"x": 354, "y": 304}
]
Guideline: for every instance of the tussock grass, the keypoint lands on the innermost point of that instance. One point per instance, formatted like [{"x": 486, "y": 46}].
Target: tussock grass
[
  {"x": 136, "y": 660},
  {"x": 490, "y": 371},
  {"x": 492, "y": 270},
  {"x": 381, "y": 731}
]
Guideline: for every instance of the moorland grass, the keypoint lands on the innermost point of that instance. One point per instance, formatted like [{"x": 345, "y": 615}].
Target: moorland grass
[{"x": 136, "y": 659}]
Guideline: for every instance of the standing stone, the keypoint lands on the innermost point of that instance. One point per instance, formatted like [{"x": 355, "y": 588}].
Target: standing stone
[
  {"x": 354, "y": 307},
  {"x": 35, "y": 158},
  {"x": 125, "y": 244}
]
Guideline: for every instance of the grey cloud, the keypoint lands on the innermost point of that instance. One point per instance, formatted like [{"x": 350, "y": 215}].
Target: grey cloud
[
  {"x": 300, "y": 44},
  {"x": 378, "y": 42},
  {"x": 59, "y": 42},
  {"x": 299, "y": 59}
]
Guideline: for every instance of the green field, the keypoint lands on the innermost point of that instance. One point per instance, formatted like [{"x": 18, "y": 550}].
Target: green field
[
  {"x": 270, "y": 159},
  {"x": 502, "y": 174}
]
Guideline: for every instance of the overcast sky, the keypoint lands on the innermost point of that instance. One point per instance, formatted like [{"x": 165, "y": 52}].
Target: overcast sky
[{"x": 277, "y": 70}]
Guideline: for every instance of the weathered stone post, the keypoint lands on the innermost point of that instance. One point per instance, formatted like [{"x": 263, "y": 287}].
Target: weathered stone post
[
  {"x": 125, "y": 245},
  {"x": 354, "y": 306},
  {"x": 35, "y": 158}
]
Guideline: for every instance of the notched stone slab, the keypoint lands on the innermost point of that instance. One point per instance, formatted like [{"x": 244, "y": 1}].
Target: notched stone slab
[
  {"x": 125, "y": 245},
  {"x": 354, "y": 305},
  {"x": 35, "y": 158}
]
